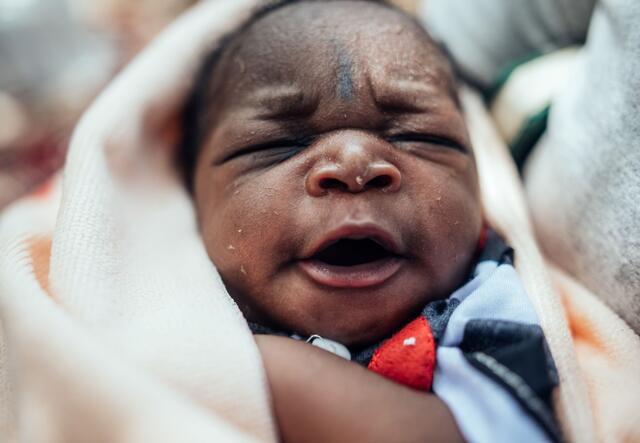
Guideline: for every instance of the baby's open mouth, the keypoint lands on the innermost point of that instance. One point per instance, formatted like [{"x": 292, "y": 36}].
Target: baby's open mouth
[
  {"x": 352, "y": 252},
  {"x": 359, "y": 262}
]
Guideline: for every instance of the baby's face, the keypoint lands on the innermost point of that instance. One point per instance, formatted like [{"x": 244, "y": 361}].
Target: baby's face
[{"x": 336, "y": 191}]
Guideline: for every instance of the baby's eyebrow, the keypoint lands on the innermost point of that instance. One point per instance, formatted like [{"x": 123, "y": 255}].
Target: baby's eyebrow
[
  {"x": 283, "y": 102},
  {"x": 407, "y": 96}
]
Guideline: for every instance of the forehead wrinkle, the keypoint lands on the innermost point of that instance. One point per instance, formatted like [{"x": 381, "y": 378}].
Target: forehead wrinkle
[
  {"x": 405, "y": 94},
  {"x": 282, "y": 101},
  {"x": 274, "y": 93}
]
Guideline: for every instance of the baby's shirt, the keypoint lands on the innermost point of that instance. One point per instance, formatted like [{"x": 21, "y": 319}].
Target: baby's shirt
[{"x": 481, "y": 351}]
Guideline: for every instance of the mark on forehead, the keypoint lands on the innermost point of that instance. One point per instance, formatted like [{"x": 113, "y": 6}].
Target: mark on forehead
[{"x": 345, "y": 73}]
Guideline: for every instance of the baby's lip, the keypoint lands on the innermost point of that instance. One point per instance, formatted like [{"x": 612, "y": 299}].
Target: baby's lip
[
  {"x": 356, "y": 231},
  {"x": 360, "y": 276}
]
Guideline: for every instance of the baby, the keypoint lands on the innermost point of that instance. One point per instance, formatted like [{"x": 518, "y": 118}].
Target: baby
[{"x": 337, "y": 195}]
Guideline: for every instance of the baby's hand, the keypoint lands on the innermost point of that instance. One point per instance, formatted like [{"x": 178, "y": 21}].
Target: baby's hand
[{"x": 319, "y": 397}]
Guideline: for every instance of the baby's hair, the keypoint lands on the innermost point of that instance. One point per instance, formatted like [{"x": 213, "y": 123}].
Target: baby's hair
[{"x": 194, "y": 113}]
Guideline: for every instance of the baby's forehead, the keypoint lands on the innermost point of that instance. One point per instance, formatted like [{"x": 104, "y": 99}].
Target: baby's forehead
[
  {"x": 308, "y": 41},
  {"x": 321, "y": 18}
]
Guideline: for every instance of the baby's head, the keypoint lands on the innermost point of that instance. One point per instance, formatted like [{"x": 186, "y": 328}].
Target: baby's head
[{"x": 332, "y": 172}]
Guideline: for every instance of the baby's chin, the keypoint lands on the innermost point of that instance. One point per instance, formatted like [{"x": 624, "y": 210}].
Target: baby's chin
[{"x": 353, "y": 327}]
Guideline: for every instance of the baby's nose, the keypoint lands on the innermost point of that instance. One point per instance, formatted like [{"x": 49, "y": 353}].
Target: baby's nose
[{"x": 358, "y": 165}]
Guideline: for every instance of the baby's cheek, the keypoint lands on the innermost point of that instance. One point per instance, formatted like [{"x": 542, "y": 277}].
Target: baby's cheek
[
  {"x": 460, "y": 227},
  {"x": 449, "y": 220},
  {"x": 244, "y": 233}
]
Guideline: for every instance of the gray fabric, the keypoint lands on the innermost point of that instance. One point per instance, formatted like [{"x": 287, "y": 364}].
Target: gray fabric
[
  {"x": 583, "y": 179},
  {"x": 484, "y": 36},
  {"x": 485, "y": 409}
]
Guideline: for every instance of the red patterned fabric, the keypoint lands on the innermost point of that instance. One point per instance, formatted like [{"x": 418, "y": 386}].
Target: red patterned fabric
[{"x": 408, "y": 357}]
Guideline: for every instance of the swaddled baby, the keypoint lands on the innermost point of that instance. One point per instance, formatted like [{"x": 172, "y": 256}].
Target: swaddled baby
[{"x": 337, "y": 195}]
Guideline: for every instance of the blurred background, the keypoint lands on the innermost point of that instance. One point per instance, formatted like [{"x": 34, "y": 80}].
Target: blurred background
[{"x": 55, "y": 57}]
